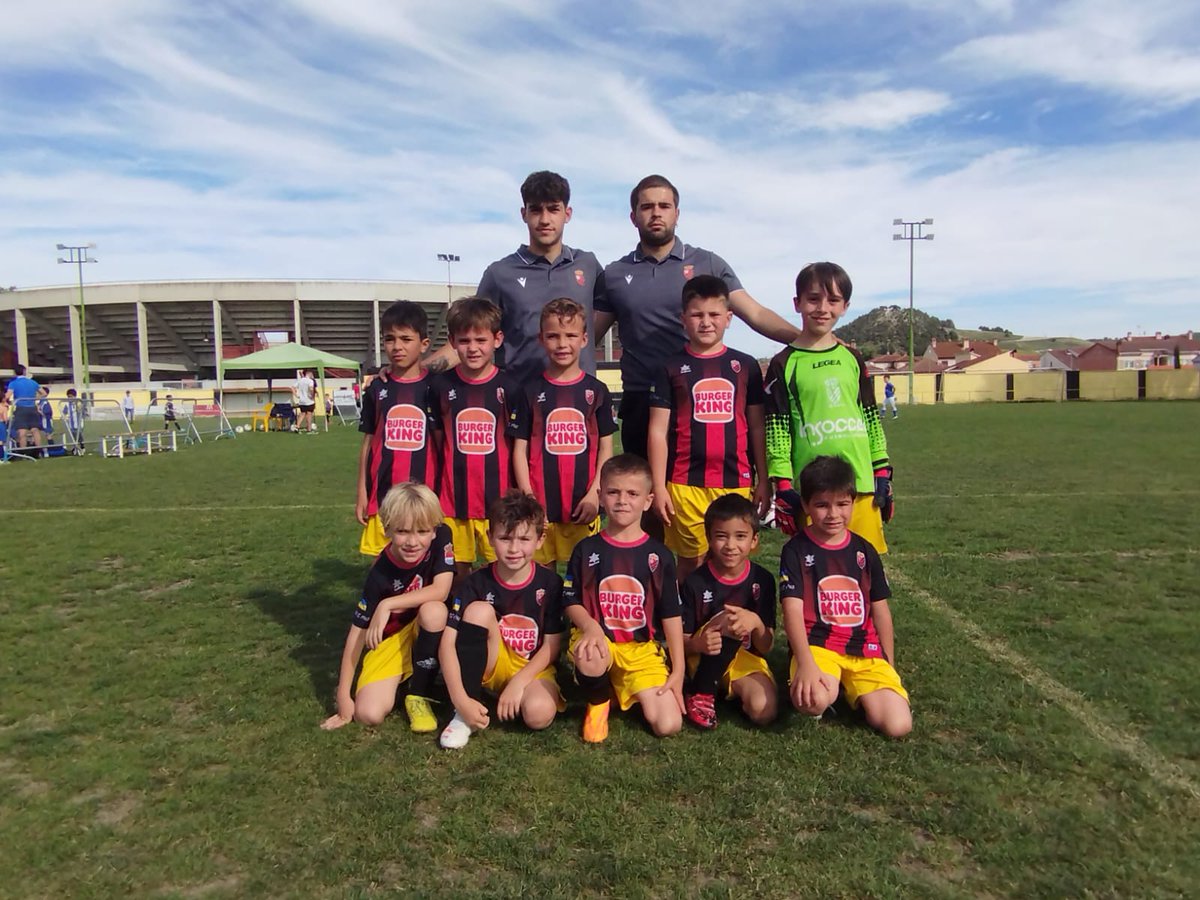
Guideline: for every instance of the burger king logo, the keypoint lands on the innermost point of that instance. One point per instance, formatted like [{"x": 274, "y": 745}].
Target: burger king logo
[
  {"x": 712, "y": 400},
  {"x": 404, "y": 428},
  {"x": 475, "y": 431},
  {"x": 840, "y": 601},
  {"x": 415, "y": 585},
  {"x": 566, "y": 432},
  {"x": 622, "y": 606},
  {"x": 520, "y": 634}
]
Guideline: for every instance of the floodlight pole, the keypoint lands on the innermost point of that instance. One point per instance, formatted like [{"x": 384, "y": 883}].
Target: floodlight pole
[
  {"x": 78, "y": 256},
  {"x": 911, "y": 231},
  {"x": 449, "y": 258}
]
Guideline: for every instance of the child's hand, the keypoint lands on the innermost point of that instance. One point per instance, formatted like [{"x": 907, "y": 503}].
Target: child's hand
[
  {"x": 360, "y": 509},
  {"x": 508, "y": 707},
  {"x": 708, "y": 641},
  {"x": 474, "y": 714},
  {"x": 741, "y": 622},
  {"x": 663, "y": 507},
  {"x": 587, "y": 508},
  {"x": 334, "y": 722},
  {"x": 379, "y": 621},
  {"x": 674, "y": 686},
  {"x": 593, "y": 645},
  {"x": 807, "y": 686},
  {"x": 343, "y": 716},
  {"x": 762, "y": 498}
]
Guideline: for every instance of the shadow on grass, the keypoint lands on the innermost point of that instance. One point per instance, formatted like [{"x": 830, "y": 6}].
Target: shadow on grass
[{"x": 318, "y": 615}]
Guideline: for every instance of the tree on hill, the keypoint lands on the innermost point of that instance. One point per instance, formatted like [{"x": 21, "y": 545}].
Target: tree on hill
[{"x": 885, "y": 330}]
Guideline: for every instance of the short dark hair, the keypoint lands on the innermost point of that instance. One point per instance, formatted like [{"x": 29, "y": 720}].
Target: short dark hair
[
  {"x": 473, "y": 312},
  {"x": 704, "y": 287},
  {"x": 513, "y": 509},
  {"x": 827, "y": 473},
  {"x": 827, "y": 275},
  {"x": 545, "y": 187},
  {"x": 18, "y": 370},
  {"x": 651, "y": 181},
  {"x": 71, "y": 392},
  {"x": 625, "y": 464},
  {"x": 564, "y": 309},
  {"x": 727, "y": 507},
  {"x": 405, "y": 314}
]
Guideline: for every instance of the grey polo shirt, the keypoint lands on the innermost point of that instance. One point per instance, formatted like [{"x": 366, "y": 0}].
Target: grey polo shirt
[
  {"x": 521, "y": 284},
  {"x": 645, "y": 295}
]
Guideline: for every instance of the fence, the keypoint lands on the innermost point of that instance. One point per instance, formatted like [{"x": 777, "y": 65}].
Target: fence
[{"x": 1047, "y": 385}]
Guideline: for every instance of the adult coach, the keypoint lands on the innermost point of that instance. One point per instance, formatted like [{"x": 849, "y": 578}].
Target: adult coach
[
  {"x": 642, "y": 295},
  {"x": 541, "y": 270},
  {"x": 25, "y": 422}
]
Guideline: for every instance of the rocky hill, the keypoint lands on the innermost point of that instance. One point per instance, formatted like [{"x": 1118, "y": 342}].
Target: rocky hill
[{"x": 885, "y": 330}]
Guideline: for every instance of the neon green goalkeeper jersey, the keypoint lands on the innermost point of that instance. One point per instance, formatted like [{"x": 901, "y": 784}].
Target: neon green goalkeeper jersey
[{"x": 822, "y": 403}]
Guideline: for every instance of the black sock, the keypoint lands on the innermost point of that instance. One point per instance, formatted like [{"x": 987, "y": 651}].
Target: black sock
[
  {"x": 711, "y": 668},
  {"x": 596, "y": 688},
  {"x": 425, "y": 662},
  {"x": 472, "y": 650}
]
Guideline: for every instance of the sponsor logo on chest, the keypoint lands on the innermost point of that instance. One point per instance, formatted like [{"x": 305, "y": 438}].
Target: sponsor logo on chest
[
  {"x": 840, "y": 601},
  {"x": 520, "y": 634},
  {"x": 622, "y": 604},
  {"x": 712, "y": 400},
  {"x": 475, "y": 431},
  {"x": 566, "y": 432},
  {"x": 404, "y": 428}
]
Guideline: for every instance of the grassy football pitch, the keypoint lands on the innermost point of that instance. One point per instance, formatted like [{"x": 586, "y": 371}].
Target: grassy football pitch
[{"x": 170, "y": 629}]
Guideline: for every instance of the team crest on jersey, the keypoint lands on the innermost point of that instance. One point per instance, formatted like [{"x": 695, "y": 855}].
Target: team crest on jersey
[
  {"x": 588, "y": 396},
  {"x": 622, "y": 605},
  {"x": 833, "y": 390},
  {"x": 840, "y": 601},
  {"x": 500, "y": 394},
  {"x": 520, "y": 633},
  {"x": 539, "y": 596},
  {"x": 736, "y": 365},
  {"x": 688, "y": 271},
  {"x": 652, "y": 561},
  {"x": 475, "y": 431},
  {"x": 861, "y": 559},
  {"x": 404, "y": 428},
  {"x": 566, "y": 432},
  {"x": 579, "y": 279},
  {"x": 448, "y": 554},
  {"x": 712, "y": 400},
  {"x": 755, "y": 590}
]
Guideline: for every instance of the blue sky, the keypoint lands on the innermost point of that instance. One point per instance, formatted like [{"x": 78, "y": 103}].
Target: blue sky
[{"x": 1054, "y": 144}]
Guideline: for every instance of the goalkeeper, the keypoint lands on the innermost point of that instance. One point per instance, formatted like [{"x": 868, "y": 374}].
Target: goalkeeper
[{"x": 820, "y": 402}]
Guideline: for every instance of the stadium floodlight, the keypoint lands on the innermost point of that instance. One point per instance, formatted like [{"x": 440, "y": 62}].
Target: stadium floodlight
[
  {"x": 78, "y": 255},
  {"x": 911, "y": 231},
  {"x": 449, "y": 258}
]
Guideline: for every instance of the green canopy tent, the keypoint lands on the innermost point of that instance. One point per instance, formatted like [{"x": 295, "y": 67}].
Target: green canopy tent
[{"x": 288, "y": 356}]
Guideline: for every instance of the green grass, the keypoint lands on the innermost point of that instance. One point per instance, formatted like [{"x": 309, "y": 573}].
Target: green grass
[{"x": 171, "y": 632}]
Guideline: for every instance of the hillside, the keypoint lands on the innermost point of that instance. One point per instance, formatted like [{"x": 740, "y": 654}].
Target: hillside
[
  {"x": 1024, "y": 343},
  {"x": 885, "y": 330}
]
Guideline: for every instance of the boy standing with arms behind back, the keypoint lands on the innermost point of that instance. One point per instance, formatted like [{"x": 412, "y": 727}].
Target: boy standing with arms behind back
[
  {"x": 563, "y": 434},
  {"x": 394, "y": 421},
  {"x": 820, "y": 401},
  {"x": 706, "y": 424}
]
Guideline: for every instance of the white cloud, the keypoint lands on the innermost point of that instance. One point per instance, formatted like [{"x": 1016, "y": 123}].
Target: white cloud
[{"x": 877, "y": 110}]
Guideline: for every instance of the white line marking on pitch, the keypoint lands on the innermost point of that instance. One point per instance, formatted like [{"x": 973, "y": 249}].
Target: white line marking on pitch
[{"x": 1160, "y": 768}]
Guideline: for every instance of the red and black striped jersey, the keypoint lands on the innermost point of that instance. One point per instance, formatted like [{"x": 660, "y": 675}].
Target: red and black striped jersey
[
  {"x": 705, "y": 593},
  {"x": 473, "y": 418},
  {"x": 395, "y": 414},
  {"x": 389, "y": 577},
  {"x": 563, "y": 422},
  {"x": 838, "y": 586},
  {"x": 627, "y": 588},
  {"x": 708, "y": 439},
  {"x": 526, "y": 612}
]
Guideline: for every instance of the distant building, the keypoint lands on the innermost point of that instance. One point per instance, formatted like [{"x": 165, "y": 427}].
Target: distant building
[{"x": 1159, "y": 351}]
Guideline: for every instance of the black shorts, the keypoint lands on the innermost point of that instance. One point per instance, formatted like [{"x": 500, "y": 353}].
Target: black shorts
[
  {"x": 635, "y": 422},
  {"x": 306, "y": 407},
  {"x": 25, "y": 418}
]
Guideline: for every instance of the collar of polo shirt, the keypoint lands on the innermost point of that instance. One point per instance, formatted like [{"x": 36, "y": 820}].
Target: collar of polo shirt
[
  {"x": 678, "y": 251},
  {"x": 530, "y": 259}
]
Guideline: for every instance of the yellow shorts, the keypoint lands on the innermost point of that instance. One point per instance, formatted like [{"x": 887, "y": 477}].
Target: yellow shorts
[
  {"x": 391, "y": 659},
  {"x": 509, "y": 664},
  {"x": 685, "y": 535},
  {"x": 744, "y": 663},
  {"x": 866, "y": 521},
  {"x": 561, "y": 538},
  {"x": 858, "y": 675},
  {"x": 636, "y": 666},
  {"x": 373, "y": 539},
  {"x": 470, "y": 540}
]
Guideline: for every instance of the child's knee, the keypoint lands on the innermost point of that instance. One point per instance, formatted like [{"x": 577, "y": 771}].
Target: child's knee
[
  {"x": 665, "y": 719},
  {"x": 432, "y": 616},
  {"x": 894, "y": 723},
  {"x": 479, "y": 613},
  {"x": 369, "y": 716},
  {"x": 539, "y": 714},
  {"x": 760, "y": 707}
]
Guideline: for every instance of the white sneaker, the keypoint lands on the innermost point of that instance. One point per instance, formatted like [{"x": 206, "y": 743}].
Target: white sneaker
[{"x": 456, "y": 734}]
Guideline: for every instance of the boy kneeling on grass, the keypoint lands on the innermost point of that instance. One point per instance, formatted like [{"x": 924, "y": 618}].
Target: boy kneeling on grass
[
  {"x": 621, "y": 595},
  {"x": 835, "y": 608},
  {"x": 504, "y": 631},
  {"x": 401, "y": 615}
]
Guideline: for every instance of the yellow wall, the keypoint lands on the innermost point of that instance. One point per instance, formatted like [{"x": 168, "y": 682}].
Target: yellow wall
[
  {"x": 1173, "y": 384},
  {"x": 970, "y": 387},
  {"x": 1003, "y": 362},
  {"x": 611, "y": 379},
  {"x": 923, "y": 388},
  {"x": 1051, "y": 385},
  {"x": 1108, "y": 385}
]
